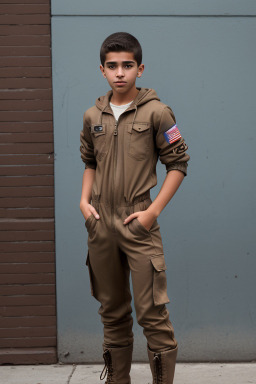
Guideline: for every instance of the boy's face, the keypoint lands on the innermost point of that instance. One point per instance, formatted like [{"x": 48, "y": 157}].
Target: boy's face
[{"x": 120, "y": 70}]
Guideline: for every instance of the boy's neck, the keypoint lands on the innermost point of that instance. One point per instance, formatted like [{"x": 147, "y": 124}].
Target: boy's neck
[{"x": 121, "y": 99}]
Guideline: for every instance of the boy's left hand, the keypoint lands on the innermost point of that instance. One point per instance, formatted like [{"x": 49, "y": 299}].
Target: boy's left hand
[{"x": 146, "y": 218}]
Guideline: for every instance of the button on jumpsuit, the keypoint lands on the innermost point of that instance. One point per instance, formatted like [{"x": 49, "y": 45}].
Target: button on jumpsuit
[{"x": 124, "y": 154}]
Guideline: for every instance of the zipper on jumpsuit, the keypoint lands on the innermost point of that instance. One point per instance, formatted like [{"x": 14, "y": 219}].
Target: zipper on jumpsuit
[{"x": 115, "y": 160}]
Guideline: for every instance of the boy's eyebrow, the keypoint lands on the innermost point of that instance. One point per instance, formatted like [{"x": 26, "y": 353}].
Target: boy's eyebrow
[{"x": 123, "y": 62}]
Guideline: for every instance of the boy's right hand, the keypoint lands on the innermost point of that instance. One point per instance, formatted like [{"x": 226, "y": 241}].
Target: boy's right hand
[{"x": 88, "y": 210}]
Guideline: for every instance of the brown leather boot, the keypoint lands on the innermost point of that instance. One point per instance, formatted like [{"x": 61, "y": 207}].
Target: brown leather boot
[
  {"x": 117, "y": 365},
  {"x": 162, "y": 365}
]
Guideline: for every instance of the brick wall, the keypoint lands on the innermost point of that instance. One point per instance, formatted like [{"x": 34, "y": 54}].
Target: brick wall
[{"x": 27, "y": 247}]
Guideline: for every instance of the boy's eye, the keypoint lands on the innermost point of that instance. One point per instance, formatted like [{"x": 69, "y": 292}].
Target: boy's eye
[{"x": 113, "y": 66}]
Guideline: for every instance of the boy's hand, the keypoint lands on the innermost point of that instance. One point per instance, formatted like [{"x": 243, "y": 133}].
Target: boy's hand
[
  {"x": 146, "y": 218},
  {"x": 87, "y": 209}
]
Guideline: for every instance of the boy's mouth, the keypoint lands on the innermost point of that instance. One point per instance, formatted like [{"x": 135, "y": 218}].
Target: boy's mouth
[{"x": 120, "y": 82}]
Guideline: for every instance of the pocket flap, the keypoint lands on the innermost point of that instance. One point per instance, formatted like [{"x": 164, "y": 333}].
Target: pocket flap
[
  {"x": 159, "y": 263},
  {"x": 141, "y": 127},
  {"x": 159, "y": 283},
  {"x": 138, "y": 127}
]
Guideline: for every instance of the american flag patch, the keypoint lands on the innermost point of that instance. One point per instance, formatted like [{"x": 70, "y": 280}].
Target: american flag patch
[{"x": 172, "y": 135}]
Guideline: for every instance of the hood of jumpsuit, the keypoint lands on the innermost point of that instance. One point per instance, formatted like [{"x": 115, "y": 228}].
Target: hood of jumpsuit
[{"x": 145, "y": 95}]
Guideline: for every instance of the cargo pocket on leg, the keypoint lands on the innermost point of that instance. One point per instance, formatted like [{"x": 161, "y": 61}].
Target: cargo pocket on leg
[
  {"x": 90, "y": 273},
  {"x": 159, "y": 281}
]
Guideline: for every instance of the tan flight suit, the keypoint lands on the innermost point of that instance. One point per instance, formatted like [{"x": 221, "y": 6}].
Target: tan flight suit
[{"x": 125, "y": 154}]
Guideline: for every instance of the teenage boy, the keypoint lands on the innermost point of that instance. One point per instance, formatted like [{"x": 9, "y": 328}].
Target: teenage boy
[{"x": 123, "y": 136}]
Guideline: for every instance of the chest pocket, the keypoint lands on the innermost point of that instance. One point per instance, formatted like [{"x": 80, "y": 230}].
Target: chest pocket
[
  {"x": 99, "y": 134},
  {"x": 139, "y": 143}
]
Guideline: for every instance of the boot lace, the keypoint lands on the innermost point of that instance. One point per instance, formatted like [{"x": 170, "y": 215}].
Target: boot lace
[
  {"x": 108, "y": 368},
  {"x": 158, "y": 377}
]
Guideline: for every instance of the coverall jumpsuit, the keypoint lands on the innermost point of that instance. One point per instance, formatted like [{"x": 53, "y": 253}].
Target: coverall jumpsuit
[{"x": 124, "y": 154}]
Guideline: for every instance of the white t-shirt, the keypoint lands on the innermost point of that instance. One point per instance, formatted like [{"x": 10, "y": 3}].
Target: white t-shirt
[{"x": 119, "y": 109}]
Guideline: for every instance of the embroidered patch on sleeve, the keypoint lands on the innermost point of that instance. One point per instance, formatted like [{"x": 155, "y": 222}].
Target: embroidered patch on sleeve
[
  {"x": 172, "y": 135},
  {"x": 181, "y": 148}
]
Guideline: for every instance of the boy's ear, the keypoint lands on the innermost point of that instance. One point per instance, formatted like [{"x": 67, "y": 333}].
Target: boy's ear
[
  {"x": 140, "y": 70},
  {"x": 102, "y": 70}
]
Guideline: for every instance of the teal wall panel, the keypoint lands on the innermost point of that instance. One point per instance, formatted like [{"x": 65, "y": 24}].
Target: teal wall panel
[
  {"x": 204, "y": 68},
  {"x": 154, "y": 8}
]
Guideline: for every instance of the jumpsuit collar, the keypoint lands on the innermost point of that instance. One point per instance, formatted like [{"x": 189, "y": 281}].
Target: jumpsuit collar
[{"x": 144, "y": 95}]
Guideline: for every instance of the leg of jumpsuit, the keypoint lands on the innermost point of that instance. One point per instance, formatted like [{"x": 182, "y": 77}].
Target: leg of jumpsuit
[
  {"x": 145, "y": 256},
  {"x": 109, "y": 275},
  {"x": 144, "y": 253}
]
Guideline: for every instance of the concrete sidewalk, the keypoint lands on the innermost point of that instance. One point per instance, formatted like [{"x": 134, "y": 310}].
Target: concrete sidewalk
[{"x": 192, "y": 373}]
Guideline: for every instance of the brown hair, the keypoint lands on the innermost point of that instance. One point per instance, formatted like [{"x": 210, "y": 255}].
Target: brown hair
[{"x": 119, "y": 42}]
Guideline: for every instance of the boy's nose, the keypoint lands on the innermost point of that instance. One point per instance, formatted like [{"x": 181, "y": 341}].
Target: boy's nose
[{"x": 119, "y": 72}]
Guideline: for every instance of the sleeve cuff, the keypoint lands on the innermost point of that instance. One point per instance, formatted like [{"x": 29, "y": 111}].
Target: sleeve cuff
[
  {"x": 177, "y": 166},
  {"x": 90, "y": 166}
]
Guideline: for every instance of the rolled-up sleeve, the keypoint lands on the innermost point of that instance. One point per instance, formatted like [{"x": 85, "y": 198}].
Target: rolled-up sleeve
[
  {"x": 86, "y": 147},
  {"x": 172, "y": 154}
]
